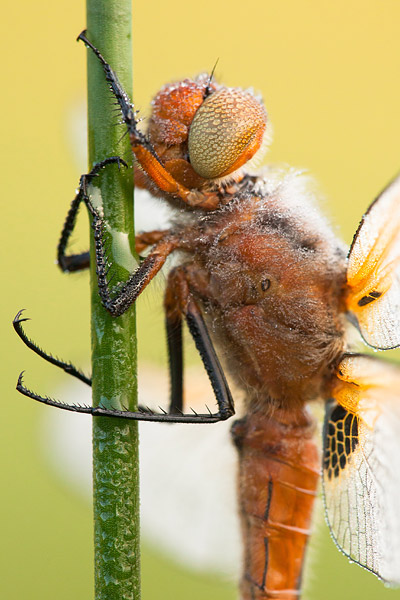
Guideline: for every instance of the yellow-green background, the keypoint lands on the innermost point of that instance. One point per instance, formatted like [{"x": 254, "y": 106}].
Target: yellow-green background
[{"x": 329, "y": 73}]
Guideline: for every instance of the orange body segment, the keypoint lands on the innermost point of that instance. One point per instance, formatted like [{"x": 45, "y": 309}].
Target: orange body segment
[{"x": 278, "y": 475}]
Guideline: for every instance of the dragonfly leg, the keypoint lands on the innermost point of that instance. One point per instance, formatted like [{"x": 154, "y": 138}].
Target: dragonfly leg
[
  {"x": 118, "y": 300},
  {"x": 65, "y": 366},
  {"x": 180, "y": 302},
  {"x": 78, "y": 262},
  {"x": 142, "y": 414},
  {"x": 173, "y": 326}
]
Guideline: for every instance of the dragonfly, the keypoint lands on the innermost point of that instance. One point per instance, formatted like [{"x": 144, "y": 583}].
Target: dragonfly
[{"x": 270, "y": 296}]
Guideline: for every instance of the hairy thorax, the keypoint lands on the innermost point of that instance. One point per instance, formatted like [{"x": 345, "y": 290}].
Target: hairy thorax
[{"x": 271, "y": 286}]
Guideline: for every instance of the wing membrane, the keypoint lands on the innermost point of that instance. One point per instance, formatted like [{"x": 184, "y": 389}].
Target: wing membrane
[
  {"x": 361, "y": 464},
  {"x": 373, "y": 272}
]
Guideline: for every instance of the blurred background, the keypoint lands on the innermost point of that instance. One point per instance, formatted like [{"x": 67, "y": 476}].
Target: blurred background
[{"x": 328, "y": 72}]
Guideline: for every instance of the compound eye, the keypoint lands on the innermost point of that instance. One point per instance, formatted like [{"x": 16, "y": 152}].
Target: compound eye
[{"x": 226, "y": 132}]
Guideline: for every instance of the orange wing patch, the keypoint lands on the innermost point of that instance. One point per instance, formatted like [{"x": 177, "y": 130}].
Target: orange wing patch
[
  {"x": 373, "y": 272},
  {"x": 361, "y": 464},
  {"x": 364, "y": 386}
]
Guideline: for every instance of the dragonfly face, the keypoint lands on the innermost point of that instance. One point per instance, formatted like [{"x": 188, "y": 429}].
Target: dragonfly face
[
  {"x": 195, "y": 131},
  {"x": 278, "y": 295}
]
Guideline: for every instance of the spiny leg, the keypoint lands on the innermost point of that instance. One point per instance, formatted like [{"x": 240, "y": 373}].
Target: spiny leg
[
  {"x": 143, "y": 412},
  {"x": 65, "y": 366},
  {"x": 150, "y": 266},
  {"x": 142, "y": 241},
  {"x": 127, "y": 293},
  {"x": 78, "y": 262},
  {"x": 178, "y": 301},
  {"x": 127, "y": 108}
]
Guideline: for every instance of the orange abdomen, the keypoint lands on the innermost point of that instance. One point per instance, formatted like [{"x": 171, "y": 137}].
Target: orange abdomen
[{"x": 279, "y": 468}]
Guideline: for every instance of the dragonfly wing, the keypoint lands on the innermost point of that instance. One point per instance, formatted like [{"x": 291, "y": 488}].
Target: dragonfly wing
[
  {"x": 361, "y": 464},
  {"x": 373, "y": 272}
]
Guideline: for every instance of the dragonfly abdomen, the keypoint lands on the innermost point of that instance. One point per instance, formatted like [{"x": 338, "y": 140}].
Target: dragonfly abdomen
[{"x": 278, "y": 476}]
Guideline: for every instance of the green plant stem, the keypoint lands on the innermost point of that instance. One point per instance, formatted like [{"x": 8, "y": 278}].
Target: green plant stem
[{"x": 115, "y": 442}]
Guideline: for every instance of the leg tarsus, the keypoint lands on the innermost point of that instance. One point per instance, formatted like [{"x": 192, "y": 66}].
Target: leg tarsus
[
  {"x": 67, "y": 367},
  {"x": 49, "y": 401},
  {"x": 120, "y": 95}
]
